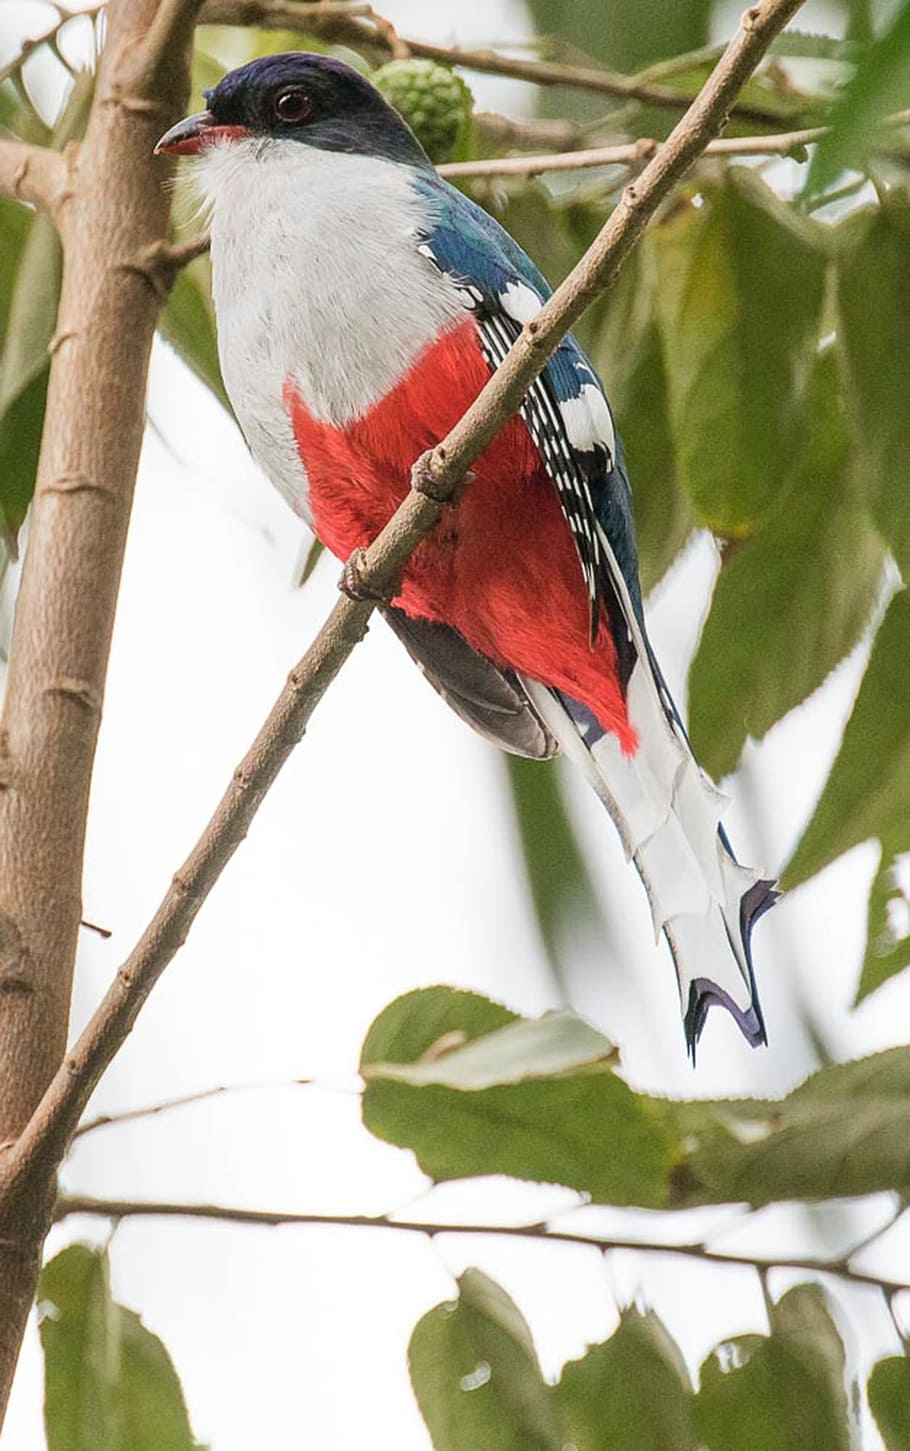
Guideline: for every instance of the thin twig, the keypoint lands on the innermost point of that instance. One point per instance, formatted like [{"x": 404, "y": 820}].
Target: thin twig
[
  {"x": 170, "y": 33},
  {"x": 437, "y": 475},
  {"x": 48, "y": 37},
  {"x": 841, "y": 1268},
  {"x": 32, "y": 174},
  {"x": 202, "y": 1095}
]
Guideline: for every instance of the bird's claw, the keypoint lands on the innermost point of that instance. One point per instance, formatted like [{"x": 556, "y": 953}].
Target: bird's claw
[
  {"x": 424, "y": 481},
  {"x": 353, "y": 584}
]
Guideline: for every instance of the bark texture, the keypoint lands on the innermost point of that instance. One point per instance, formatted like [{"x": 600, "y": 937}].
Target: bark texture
[{"x": 113, "y": 214}]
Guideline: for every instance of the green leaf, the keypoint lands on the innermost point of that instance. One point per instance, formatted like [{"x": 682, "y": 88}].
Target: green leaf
[
  {"x": 638, "y": 31},
  {"x": 547, "y": 1047},
  {"x": 784, "y": 1392},
  {"x": 187, "y": 322},
  {"x": 873, "y": 299},
  {"x": 110, "y": 1385},
  {"x": 740, "y": 288},
  {"x": 868, "y": 791},
  {"x": 476, "y": 1377},
  {"x": 31, "y": 262},
  {"x": 421, "y": 1023},
  {"x": 580, "y": 1125},
  {"x": 887, "y": 934},
  {"x": 560, "y": 884},
  {"x": 842, "y": 1132},
  {"x": 889, "y": 1401},
  {"x": 625, "y": 345},
  {"x": 472, "y": 1090},
  {"x": 879, "y": 86},
  {"x": 793, "y": 599},
  {"x": 632, "y": 1393}
]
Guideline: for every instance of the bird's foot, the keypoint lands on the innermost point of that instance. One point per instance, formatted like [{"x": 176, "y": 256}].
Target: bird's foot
[
  {"x": 353, "y": 584},
  {"x": 425, "y": 481}
]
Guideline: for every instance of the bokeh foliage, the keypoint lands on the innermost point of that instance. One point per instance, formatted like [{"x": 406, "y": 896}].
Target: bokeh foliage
[{"x": 755, "y": 349}]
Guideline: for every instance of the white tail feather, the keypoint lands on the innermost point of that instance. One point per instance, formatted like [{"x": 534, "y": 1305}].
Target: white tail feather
[{"x": 668, "y": 814}]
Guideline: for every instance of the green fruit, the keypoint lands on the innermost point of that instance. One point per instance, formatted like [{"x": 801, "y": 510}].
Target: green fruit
[{"x": 434, "y": 101}]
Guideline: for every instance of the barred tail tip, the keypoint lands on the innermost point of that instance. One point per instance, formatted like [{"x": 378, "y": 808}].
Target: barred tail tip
[{"x": 704, "y": 992}]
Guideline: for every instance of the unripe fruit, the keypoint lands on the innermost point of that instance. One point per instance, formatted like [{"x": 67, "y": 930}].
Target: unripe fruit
[{"x": 434, "y": 101}]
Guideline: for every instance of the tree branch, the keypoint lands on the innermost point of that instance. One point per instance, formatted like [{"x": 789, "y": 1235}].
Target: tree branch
[
  {"x": 363, "y": 27},
  {"x": 32, "y": 174},
  {"x": 629, "y": 154},
  {"x": 43, "y": 1141},
  {"x": 186, "y": 1100},
  {"x": 170, "y": 33},
  {"x": 784, "y": 143},
  {"x": 47, "y": 37},
  {"x": 116, "y": 1209}
]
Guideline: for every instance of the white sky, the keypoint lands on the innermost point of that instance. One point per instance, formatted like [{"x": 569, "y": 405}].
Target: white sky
[{"x": 385, "y": 858}]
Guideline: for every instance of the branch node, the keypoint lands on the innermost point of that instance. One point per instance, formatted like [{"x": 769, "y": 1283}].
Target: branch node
[
  {"x": 156, "y": 267},
  {"x": 82, "y": 692},
  {"x": 61, "y": 336},
  {"x": 751, "y": 17},
  {"x": 76, "y": 483},
  {"x": 12, "y": 984}
]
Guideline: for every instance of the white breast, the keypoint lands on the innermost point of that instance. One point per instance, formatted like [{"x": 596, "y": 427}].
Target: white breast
[{"x": 316, "y": 278}]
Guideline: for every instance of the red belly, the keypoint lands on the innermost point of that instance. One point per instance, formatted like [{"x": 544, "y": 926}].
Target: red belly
[{"x": 501, "y": 567}]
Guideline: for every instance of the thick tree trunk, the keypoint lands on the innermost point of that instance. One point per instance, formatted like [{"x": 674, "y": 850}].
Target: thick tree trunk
[{"x": 112, "y": 219}]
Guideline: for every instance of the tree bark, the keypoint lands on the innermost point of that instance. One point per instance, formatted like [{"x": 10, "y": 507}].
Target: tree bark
[{"x": 113, "y": 215}]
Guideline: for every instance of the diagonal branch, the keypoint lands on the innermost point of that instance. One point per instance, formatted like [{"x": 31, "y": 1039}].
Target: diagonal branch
[
  {"x": 116, "y": 1209},
  {"x": 43, "y": 1141},
  {"x": 32, "y": 174}
]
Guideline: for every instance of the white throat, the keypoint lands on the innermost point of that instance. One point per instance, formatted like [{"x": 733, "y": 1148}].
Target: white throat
[{"x": 316, "y": 278}]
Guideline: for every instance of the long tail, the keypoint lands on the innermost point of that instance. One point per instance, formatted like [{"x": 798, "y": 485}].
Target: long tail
[{"x": 667, "y": 812}]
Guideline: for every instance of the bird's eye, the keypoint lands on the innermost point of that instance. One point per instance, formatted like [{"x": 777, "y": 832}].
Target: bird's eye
[{"x": 292, "y": 107}]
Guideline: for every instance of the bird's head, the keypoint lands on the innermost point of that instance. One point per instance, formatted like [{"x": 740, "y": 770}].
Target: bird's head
[{"x": 313, "y": 100}]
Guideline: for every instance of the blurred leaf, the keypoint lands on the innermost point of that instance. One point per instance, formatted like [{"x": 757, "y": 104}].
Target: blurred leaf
[
  {"x": 784, "y": 1392},
  {"x": 582, "y": 1127},
  {"x": 889, "y": 1401},
  {"x": 793, "y": 599},
  {"x": 842, "y": 1132},
  {"x": 476, "y": 1377},
  {"x": 880, "y": 85},
  {"x": 187, "y": 322},
  {"x": 740, "y": 287},
  {"x": 627, "y": 352},
  {"x": 110, "y": 1385},
  {"x": 21, "y": 426},
  {"x": 32, "y": 314},
  {"x": 307, "y": 561},
  {"x": 873, "y": 294},
  {"x": 632, "y": 1393},
  {"x": 225, "y": 47},
  {"x": 887, "y": 935},
  {"x": 868, "y": 791},
  {"x": 558, "y": 878},
  {"x": 633, "y": 33},
  {"x": 31, "y": 259}
]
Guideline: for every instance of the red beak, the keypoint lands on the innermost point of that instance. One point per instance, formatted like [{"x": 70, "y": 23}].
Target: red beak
[{"x": 190, "y": 135}]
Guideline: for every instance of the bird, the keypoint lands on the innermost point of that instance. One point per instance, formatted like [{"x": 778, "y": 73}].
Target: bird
[{"x": 361, "y": 304}]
